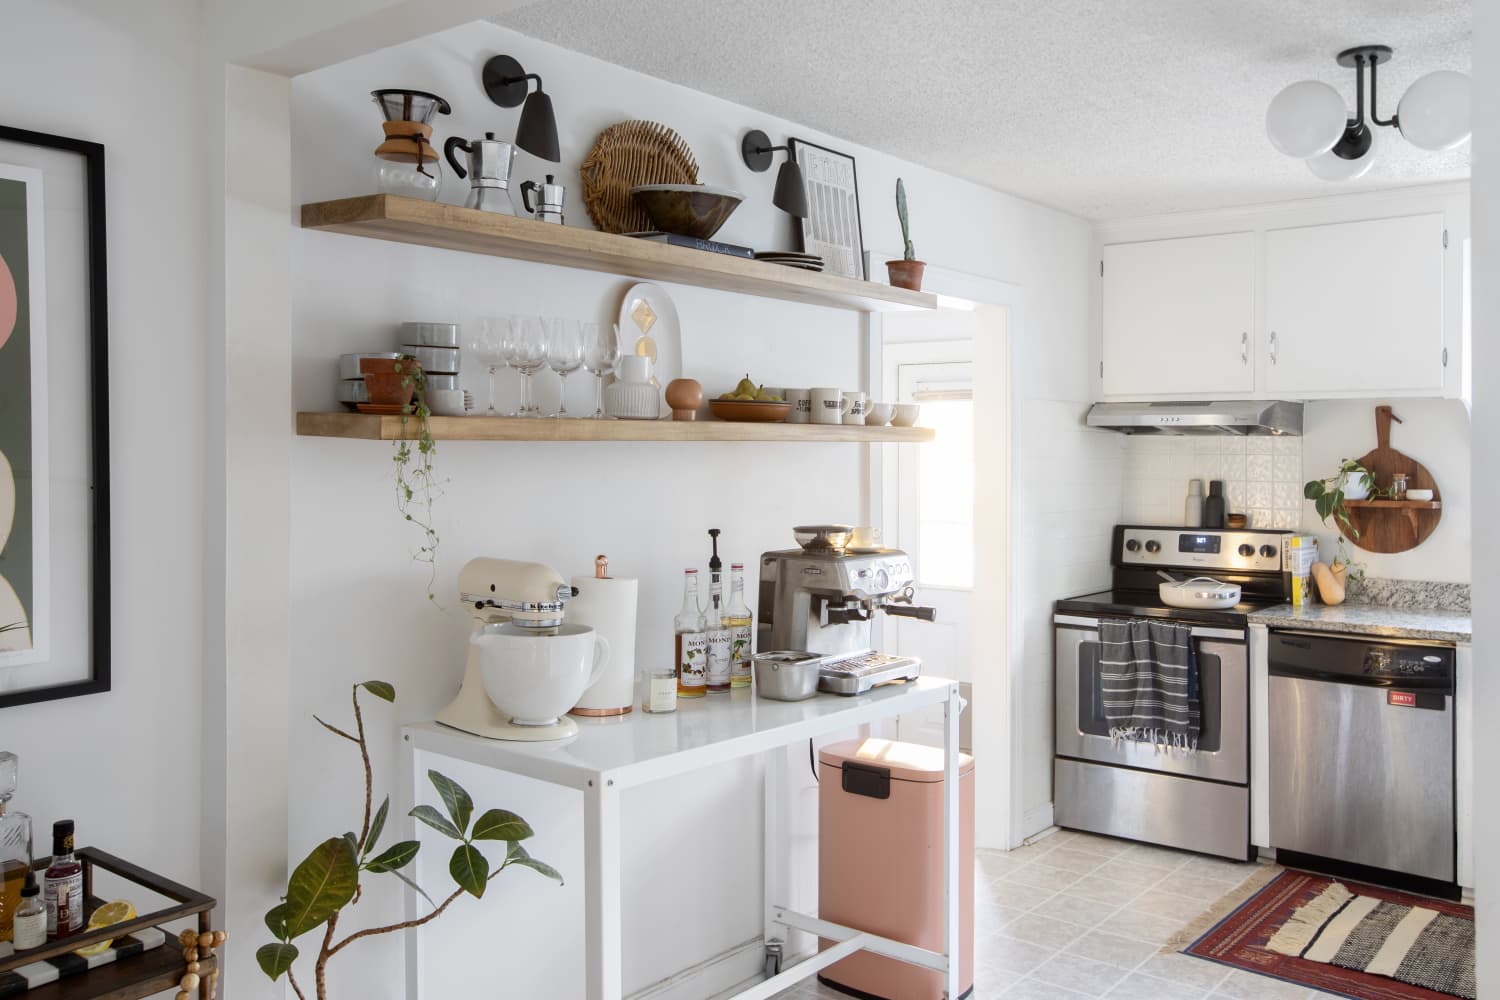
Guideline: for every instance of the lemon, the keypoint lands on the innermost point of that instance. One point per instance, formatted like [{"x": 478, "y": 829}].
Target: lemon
[{"x": 110, "y": 913}]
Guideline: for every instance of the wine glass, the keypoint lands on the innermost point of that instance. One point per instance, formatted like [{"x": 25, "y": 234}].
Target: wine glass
[
  {"x": 564, "y": 354},
  {"x": 528, "y": 352},
  {"x": 601, "y": 352},
  {"x": 491, "y": 346}
]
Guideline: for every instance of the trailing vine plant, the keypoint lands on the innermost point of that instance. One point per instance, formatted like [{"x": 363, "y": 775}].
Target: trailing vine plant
[
  {"x": 329, "y": 879},
  {"x": 416, "y": 486}
]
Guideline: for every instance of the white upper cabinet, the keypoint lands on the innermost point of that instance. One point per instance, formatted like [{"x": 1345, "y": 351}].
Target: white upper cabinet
[
  {"x": 1179, "y": 316},
  {"x": 1355, "y": 306}
]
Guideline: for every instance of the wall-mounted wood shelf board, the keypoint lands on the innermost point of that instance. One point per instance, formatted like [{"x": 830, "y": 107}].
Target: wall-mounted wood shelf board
[
  {"x": 425, "y": 223},
  {"x": 374, "y": 427},
  {"x": 1396, "y": 504}
]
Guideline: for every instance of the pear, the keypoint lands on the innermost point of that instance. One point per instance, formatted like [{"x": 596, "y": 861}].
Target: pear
[{"x": 745, "y": 387}]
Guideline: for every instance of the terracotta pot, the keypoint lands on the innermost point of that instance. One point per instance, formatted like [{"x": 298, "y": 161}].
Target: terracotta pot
[
  {"x": 684, "y": 396},
  {"x": 906, "y": 273},
  {"x": 386, "y": 380}
]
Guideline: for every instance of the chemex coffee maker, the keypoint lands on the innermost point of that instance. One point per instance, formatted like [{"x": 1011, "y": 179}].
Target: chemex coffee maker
[
  {"x": 406, "y": 162},
  {"x": 822, "y": 598},
  {"x": 527, "y": 666}
]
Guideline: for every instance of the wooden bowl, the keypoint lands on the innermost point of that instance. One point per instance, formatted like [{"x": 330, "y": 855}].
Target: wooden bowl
[
  {"x": 745, "y": 411},
  {"x": 1237, "y": 520}
]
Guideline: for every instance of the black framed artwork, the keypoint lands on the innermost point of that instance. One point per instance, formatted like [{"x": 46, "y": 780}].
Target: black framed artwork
[
  {"x": 54, "y": 419},
  {"x": 832, "y": 228}
]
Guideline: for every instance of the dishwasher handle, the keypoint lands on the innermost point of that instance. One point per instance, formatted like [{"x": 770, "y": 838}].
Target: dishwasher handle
[{"x": 1363, "y": 662}]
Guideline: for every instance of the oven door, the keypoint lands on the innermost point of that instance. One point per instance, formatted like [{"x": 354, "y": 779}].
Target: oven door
[{"x": 1223, "y": 752}]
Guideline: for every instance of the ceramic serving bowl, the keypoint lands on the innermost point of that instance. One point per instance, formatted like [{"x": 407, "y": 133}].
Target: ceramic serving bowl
[
  {"x": 686, "y": 209},
  {"x": 746, "y": 411},
  {"x": 534, "y": 678},
  {"x": 1423, "y": 495}
]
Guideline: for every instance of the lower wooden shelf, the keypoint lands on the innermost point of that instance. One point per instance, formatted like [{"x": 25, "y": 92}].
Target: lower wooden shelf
[{"x": 376, "y": 427}]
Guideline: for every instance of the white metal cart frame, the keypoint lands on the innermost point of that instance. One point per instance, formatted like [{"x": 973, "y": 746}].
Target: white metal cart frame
[{"x": 609, "y": 756}]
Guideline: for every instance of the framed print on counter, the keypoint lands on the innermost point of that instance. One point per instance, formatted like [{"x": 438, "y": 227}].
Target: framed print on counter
[
  {"x": 54, "y": 419},
  {"x": 832, "y": 229}
]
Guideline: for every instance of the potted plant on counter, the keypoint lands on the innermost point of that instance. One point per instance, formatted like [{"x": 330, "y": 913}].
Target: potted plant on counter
[
  {"x": 906, "y": 272},
  {"x": 1351, "y": 482}
]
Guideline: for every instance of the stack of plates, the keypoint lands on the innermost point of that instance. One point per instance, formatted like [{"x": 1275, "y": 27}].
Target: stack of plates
[{"x": 787, "y": 258}]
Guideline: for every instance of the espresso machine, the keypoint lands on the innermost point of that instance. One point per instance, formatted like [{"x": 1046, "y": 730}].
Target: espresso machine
[
  {"x": 822, "y": 598},
  {"x": 527, "y": 595}
]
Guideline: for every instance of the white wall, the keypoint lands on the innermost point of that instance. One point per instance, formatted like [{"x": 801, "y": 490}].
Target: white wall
[
  {"x": 358, "y": 608},
  {"x": 72, "y": 751}
]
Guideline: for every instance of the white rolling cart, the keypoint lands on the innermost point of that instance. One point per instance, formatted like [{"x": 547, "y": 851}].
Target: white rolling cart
[{"x": 608, "y": 757}]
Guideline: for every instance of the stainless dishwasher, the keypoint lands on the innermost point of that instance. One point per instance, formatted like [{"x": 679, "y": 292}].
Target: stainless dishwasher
[{"x": 1361, "y": 750}]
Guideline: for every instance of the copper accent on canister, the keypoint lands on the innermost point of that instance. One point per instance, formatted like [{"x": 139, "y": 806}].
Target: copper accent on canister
[{"x": 597, "y": 713}]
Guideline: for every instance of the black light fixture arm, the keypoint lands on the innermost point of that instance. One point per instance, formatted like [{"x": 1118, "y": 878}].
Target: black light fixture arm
[
  {"x": 510, "y": 80},
  {"x": 1393, "y": 120}
]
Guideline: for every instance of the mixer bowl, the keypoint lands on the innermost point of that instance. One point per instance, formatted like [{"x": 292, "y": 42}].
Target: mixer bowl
[
  {"x": 823, "y": 537},
  {"x": 534, "y": 677}
]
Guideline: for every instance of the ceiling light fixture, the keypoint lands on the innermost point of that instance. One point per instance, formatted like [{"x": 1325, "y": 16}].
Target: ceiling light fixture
[
  {"x": 1308, "y": 119},
  {"x": 508, "y": 85},
  {"x": 791, "y": 193}
]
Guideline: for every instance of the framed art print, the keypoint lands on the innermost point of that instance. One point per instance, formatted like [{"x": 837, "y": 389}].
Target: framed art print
[
  {"x": 832, "y": 228},
  {"x": 54, "y": 419}
]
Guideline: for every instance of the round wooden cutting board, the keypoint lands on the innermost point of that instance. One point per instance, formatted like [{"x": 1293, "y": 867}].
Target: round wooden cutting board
[{"x": 1389, "y": 527}]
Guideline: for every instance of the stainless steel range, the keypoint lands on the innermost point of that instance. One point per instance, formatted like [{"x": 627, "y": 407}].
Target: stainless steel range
[{"x": 1199, "y": 800}]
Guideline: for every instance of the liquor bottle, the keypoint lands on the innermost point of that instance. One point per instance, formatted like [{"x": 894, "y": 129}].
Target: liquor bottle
[
  {"x": 714, "y": 624},
  {"x": 31, "y": 917},
  {"x": 692, "y": 641},
  {"x": 15, "y": 845},
  {"x": 63, "y": 884},
  {"x": 740, "y": 621}
]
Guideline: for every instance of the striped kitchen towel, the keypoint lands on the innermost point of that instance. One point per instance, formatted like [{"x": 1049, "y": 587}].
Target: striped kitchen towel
[
  {"x": 1148, "y": 681},
  {"x": 1411, "y": 944},
  {"x": 49, "y": 970}
]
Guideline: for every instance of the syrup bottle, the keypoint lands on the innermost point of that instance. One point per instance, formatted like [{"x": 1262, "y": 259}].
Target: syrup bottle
[
  {"x": 714, "y": 623},
  {"x": 740, "y": 620},
  {"x": 692, "y": 641}
]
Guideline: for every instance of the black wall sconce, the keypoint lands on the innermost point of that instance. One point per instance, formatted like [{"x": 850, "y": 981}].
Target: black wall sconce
[
  {"x": 508, "y": 85},
  {"x": 791, "y": 193}
]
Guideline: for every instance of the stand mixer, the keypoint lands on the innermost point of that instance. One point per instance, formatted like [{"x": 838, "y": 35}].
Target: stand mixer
[{"x": 528, "y": 596}]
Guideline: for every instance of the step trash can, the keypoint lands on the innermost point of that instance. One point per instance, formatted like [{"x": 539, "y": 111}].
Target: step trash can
[{"x": 880, "y": 862}]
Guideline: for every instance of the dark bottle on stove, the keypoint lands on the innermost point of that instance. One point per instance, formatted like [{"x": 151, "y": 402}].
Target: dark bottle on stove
[{"x": 1215, "y": 511}]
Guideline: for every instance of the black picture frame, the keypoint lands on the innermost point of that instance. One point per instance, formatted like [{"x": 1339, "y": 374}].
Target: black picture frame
[
  {"x": 822, "y": 218},
  {"x": 97, "y": 310}
]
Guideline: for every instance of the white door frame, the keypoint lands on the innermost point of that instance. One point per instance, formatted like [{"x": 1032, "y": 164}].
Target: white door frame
[{"x": 997, "y": 726}]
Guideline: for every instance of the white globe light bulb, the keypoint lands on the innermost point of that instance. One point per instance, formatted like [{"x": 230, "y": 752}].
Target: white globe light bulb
[
  {"x": 1435, "y": 112},
  {"x": 1306, "y": 119},
  {"x": 1332, "y": 167}
]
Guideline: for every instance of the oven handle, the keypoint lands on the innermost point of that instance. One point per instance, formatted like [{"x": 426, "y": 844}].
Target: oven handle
[{"x": 1199, "y": 631}]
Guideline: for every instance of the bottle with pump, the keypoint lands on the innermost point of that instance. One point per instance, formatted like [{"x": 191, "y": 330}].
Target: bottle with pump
[
  {"x": 63, "y": 884},
  {"x": 692, "y": 641},
  {"x": 15, "y": 845},
  {"x": 714, "y": 624},
  {"x": 741, "y": 622}
]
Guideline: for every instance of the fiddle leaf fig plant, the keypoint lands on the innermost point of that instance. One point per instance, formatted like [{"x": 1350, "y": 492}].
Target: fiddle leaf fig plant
[
  {"x": 1328, "y": 495},
  {"x": 330, "y": 879}
]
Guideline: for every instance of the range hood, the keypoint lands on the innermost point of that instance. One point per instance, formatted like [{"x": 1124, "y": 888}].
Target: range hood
[{"x": 1233, "y": 416}]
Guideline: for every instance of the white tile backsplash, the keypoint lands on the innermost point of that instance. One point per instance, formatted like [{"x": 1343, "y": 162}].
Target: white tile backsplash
[{"x": 1262, "y": 477}]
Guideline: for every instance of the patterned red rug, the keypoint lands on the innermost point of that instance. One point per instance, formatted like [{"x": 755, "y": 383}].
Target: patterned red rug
[{"x": 1239, "y": 940}]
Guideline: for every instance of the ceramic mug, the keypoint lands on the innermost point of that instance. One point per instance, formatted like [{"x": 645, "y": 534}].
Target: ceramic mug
[
  {"x": 534, "y": 679},
  {"x": 828, "y": 406},
  {"x": 877, "y": 414},
  {"x": 801, "y": 400},
  {"x": 904, "y": 414},
  {"x": 854, "y": 408},
  {"x": 446, "y": 402}
]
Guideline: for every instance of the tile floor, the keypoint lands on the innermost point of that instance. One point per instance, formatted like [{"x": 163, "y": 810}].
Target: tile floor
[{"x": 1074, "y": 916}]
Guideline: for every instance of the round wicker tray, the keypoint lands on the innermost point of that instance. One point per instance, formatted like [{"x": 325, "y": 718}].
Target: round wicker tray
[{"x": 626, "y": 154}]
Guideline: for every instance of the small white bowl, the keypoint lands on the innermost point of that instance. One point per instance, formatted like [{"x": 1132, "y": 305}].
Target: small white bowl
[
  {"x": 1423, "y": 495},
  {"x": 905, "y": 414},
  {"x": 446, "y": 402},
  {"x": 878, "y": 414},
  {"x": 438, "y": 360}
]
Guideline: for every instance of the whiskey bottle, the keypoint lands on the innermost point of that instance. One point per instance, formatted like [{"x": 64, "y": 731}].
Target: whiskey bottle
[
  {"x": 62, "y": 885},
  {"x": 15, "y": 845}
]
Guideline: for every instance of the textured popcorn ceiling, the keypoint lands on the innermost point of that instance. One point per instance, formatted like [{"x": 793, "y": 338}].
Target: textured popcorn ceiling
[{"x": 1105, "y": 108}]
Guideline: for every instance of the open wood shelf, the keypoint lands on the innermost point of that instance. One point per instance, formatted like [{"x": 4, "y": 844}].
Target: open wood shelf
[
  {"x": 450, "y": 227},
  {"x": 377, "y": 427},
  {"x": 1396, "y": 504}
]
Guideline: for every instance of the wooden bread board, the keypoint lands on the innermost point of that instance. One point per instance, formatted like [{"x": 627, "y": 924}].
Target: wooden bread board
[{"x": 1393, "y": 526}]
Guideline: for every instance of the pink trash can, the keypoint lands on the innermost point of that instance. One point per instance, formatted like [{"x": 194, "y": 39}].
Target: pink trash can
[{"x": 880, "y": 862}]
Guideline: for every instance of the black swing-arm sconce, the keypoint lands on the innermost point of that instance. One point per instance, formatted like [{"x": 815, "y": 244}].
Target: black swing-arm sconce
[
  {"x": 508, "y": 85},
  {"x": 791, "y": 192}
]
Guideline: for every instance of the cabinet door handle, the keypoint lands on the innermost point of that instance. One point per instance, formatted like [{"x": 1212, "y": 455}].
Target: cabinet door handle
[
  {"x": 1273, "y": 347},
  {"x": 1244, "y": 348}
]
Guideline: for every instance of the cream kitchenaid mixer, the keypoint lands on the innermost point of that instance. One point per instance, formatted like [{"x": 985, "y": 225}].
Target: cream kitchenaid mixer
[{"x": 518, "y": 610}]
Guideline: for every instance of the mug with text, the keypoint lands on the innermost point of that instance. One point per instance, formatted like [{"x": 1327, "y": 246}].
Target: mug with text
[
  {"x": 801, "y": 400},
  {"x": 828, "y": 406},
  {"x": 854, "y": 408}
]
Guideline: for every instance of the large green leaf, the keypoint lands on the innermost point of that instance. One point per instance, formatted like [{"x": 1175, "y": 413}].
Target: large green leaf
[
  {"x": 275, "y": 959},
  {"x": 419, "y": 890},
  {"x": 470, "y": 869},
  {"x": 320, "y": 886},
  {"x": 501, "y": 824},
  {"x": 276, "y": 921},
  {"x": 376, "y": 825},
  {"x": 381, "y": 689},
  {"x": 1313, "y": 489},
  {"x": 436, "y": 820},
  {"x": 540, "y": 867},
  {"x": 394, "y": 857},
  {"x": 460, "y": 807}
]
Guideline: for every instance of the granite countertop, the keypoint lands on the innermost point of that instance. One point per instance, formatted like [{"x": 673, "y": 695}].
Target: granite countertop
[{"x": 1372, "y": 619}]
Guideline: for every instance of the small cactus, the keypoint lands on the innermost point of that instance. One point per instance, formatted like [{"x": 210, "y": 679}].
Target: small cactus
[{"x": 911, "y": 251}]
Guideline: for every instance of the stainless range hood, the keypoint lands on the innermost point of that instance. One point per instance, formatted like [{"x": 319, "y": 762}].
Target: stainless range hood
[{"x": 1233, "y": 416}]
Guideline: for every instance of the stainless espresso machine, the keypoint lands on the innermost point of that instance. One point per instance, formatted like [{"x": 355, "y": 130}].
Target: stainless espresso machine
[{"x": 821, "y": 599}]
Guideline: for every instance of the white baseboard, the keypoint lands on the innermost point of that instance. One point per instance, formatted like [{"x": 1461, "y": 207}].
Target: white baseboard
[
  {"x": 717, "y": 975},
  {"x": 1035, "y": 820}
]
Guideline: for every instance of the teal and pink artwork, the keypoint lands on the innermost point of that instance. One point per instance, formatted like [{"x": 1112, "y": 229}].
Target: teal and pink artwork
[{"x": 20, "y": 548}]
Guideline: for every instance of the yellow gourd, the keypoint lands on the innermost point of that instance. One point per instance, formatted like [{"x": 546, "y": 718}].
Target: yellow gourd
[{"x": 1329, "y": 587}]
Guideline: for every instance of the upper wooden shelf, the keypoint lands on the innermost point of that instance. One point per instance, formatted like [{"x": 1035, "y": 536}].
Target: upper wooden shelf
[
  {"x": 425, "y": 223},
  {"x": 1396, "y": 504},
  {"x": 374, "y": 427}
]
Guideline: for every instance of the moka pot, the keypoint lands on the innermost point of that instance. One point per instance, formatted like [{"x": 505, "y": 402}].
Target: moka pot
[{"x": 487, "y": 166}]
